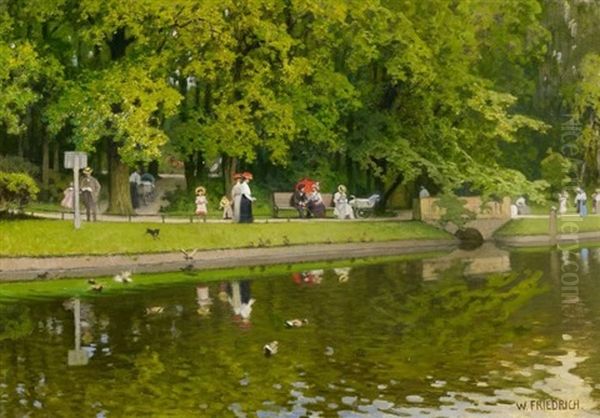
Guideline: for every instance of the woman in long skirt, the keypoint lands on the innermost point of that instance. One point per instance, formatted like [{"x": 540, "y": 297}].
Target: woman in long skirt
[
  {"x": 246, "y": 199},
  {"x": 236, "y": 195}
]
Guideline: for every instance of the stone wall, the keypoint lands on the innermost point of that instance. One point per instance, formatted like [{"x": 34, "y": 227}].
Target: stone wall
[{"x": 426, "y": 208}]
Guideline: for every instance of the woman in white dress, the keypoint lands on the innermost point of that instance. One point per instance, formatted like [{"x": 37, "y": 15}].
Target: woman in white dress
[
  {"x": 342, "y": 209},
  {"x": 236, "y": 195}
]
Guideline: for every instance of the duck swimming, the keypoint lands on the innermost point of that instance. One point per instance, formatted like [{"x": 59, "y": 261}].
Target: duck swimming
[{"x": 296, "y": 323}]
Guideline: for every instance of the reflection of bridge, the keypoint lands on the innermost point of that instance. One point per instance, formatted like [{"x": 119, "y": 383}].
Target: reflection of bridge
[{"x": 485, "y": 260}]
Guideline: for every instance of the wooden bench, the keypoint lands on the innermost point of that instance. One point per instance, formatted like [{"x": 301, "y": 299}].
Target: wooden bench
[{"x": 282, "y": 201}]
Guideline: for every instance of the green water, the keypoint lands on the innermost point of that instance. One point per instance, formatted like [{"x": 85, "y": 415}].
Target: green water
[{"x": 432, "y": 337}]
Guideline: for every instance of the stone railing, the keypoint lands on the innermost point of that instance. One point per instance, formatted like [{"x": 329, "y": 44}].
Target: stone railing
[{"x": 427, "y": 209}]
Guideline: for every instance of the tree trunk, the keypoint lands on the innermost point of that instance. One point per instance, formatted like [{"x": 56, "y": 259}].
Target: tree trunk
[
  {"x": 229, "y": 169},
  {"x": 56, "y": 158},
  {"x": 45, "y": 162},
  {"x": 390, "y": 191},
  {"x": 189, "y": 170},
  {"x": 153, "y": 168},
  {"x": 119, "y": 197}
]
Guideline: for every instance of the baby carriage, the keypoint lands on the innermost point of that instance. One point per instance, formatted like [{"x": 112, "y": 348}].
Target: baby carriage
[{"x": 364, "y": 207}]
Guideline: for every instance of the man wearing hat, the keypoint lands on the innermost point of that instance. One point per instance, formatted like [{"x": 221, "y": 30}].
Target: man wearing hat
[{"x": 90, "y": 192}]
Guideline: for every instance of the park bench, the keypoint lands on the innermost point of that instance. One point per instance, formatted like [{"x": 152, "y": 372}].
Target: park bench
[{"x": 283, "y": 200}]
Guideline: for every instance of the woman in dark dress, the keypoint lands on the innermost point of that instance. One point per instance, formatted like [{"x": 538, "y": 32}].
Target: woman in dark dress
[{"x": 246, "y": 200}]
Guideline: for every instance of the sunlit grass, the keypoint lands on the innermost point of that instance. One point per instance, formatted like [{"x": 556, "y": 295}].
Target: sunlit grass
[
  {"x": 533, "y": 226},
  {"x": 52, "y": 238}
]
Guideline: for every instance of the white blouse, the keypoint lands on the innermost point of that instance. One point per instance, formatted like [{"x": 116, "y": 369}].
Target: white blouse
[{"x": 245, "y": 190}]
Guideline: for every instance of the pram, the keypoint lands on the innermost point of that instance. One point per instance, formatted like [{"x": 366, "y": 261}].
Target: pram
[{"x": 364, "y": 207}]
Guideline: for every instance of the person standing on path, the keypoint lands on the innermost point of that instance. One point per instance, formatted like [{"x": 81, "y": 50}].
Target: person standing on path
[
  {"x": 90, "y": 192},
  {"x": 246, "y": 199},
  {"x": 201, "y": 202},
  {"x": 581, "y": 202},
  {"x": 236, "y": 196},
  {"x": 134, "y": 182}
]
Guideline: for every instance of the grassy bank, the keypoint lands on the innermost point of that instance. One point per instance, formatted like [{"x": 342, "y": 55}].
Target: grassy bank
[
  {"x": 55, "y": 238},
  {"x": 519, "y": 227}
]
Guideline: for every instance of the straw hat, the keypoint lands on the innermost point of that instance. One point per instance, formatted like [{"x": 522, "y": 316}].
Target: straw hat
[
  {"x": 247, "y": 175},
  {"x": 342, "y": 188},
  {"x": 87, "y": 170},
  {"x": 200, "y": 190}
]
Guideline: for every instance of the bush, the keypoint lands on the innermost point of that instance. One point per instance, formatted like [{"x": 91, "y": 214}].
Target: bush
[
  {"x": 16, "y": 190},
  {"x": 16, "y": 164}
]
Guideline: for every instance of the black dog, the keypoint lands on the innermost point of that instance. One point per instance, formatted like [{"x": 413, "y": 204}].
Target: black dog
[{"x": 153, "y": 232}]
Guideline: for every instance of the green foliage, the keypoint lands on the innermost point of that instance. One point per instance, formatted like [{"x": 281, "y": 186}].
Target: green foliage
[
  {"x": 16, "y": 164},
  {"x": 454, "y": 210},
  {"x": 555, "y": 170},
  {"x": 16, "y": 190},
  {"x": 15, "y": 321}
]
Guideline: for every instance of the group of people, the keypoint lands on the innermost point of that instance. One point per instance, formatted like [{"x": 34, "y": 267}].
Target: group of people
[
  {"x": 89, "y": 190},
  {"x": 309, "y": 203},
  {"x": 238, "y": 208},
  {"x": 580, "y": 201}
]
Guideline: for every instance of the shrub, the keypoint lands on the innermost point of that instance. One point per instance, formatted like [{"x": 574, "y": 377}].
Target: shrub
[
  {"x": 16, "y": 190},
  {"x": 16, "y": 164}
]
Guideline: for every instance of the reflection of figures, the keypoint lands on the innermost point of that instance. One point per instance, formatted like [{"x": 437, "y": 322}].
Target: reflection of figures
[
  {"x": 204, "y": 301},
  {"x": 584, "y": 256},
  {"x": 596, "y": 254},
  {"x": 343, "y": 274},
  {"x": 90, "y": 192},
  {"x": 308, "y": 277},
  {"x": 563, "y": 198},
  {"x": 564, "y": 257},
  {"x": 241, "y": 300}
]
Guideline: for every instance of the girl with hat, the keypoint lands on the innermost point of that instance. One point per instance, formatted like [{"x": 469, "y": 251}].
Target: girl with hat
[
  {"x": 201, "y": 202},
  {"x": 342, "y": 210},
  {"x": 246, "y": 199}
]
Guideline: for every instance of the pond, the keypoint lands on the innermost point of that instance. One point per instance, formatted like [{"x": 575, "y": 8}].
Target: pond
[{"x": 488, "y": 333}]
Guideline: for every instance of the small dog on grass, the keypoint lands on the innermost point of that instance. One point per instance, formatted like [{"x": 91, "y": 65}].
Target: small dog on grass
[{"x": 153, "y": 232}]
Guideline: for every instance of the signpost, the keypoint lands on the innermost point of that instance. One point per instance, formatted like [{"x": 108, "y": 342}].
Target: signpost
[{"x": 76, "y": 160}]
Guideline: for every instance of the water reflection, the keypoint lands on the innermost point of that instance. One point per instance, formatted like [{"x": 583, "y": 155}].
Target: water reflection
[{"x": 388, "y": 342}]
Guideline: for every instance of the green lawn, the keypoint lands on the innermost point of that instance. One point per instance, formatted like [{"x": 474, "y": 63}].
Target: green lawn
[
  {"x": 55, "y": 238},
  {"x": 540, "y": 226}
]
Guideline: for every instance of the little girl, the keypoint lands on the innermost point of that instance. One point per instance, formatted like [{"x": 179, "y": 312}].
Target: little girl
[
  {"x": 225, "y": 204},
  {"x": 67, "y": 201},
  {"x": 201, "y": 202}
]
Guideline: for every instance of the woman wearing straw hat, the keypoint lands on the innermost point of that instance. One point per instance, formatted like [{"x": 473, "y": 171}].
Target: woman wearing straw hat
[
  {"x": 342, "y": 209},
  {"x": 236, "y": 196},
  {"x": 90, "y": 192},
  {"x": 246, "y": 199},
  {"x": 201, "y": 202}
]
